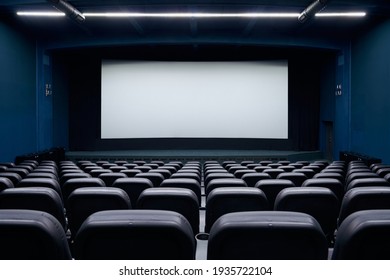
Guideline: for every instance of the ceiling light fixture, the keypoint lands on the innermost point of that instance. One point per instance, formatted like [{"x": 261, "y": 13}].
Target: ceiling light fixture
[
  {"x": 68, "y": 9},
  {"x": 312, "y": 10}
]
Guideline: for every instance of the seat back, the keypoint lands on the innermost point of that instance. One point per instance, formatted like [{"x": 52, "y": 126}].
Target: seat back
[
  {"x": 5, "y": 183},
  {"x": 133, "y": 187},
  {"x": 73, "y": 184},
  {"x": 228, "y": 182},
  {"x": 185, "y": 183},
  {"x": 41, "y": 182},
  {"x": 34, "y": 198},
  {"x": 83, "y": 202},
  {"x": 180, "y": 200},
  {"x": 154, "y": 177},
  {"x": 364, "y": 198},
  {"x": 364, "y": 235},
  {"x": 271, "y": 188},
  {"x": 267, "y": 235},
  {"x": 321, "y": 203},
  {"x": 31, "y": 235},
  {"x": 252, "y": 178},
  {"x": 110, "y": 178},
  {"x": 234, "y": 199},
  {"x": 135, "y": 235}
]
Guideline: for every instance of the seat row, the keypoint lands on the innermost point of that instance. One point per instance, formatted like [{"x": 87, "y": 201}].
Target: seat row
[{"x": 160, "y": 234}]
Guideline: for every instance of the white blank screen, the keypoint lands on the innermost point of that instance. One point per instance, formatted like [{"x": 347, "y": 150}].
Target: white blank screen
[{"x": 194, "y": 99}]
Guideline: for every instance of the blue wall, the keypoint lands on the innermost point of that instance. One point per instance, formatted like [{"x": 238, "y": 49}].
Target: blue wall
[
  {"x": 17, "y": 94},
  {"x": 370, "y": 94}
]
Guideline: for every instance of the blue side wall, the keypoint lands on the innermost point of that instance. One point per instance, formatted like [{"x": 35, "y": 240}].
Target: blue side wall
[
  {"x": 17, "y": 94},
  {"x": 370, "y": 102}
]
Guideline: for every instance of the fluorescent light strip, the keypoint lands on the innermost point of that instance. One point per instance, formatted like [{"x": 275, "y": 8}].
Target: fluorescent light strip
[
  {"x": 193, "y": 15},
  {"x": 350, "y": 14},
  {"x": 41, "y": 14}
]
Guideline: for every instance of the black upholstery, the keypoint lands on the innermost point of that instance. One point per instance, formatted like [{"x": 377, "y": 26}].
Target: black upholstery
[
  {"x": 364, "y": 235},
  {"x": 110, "y": 178},
  {"x": 41, "y": 182},
  {"x": 34, "y": 198},
  {"x": 271, "y": 188},
  {"x": 186, "y": 183},
  {"x": 5, "y": 183},
  {"x": 267, "y": 235},
  {"x": 97, "y": 172},
  {"x": 223, "y": 200},
  {"x": 219, "y": 175},
  {"x": 333, "y": 184},
  {"x": 273, "y": 172},
  {"x": 180, "y": 200},
  {"x": 190, "y": 175},
  {"x": 83, "y": 202},
  {"x": 133, "y": 187},
  {"x": 13, "y": 177},
  {"x": 229, "y": 182},
  {"x": 73, "y": 184},
  {"x": 67, "y": 176},
  {"x": 154, "y": 177},
  {"x": 321, "y": 203},
  {"x": 367, "y": 182},
  {"x": 135, "y": 234},
  {"x": 364, "y": 198},
  {"x": 295, "y": 177},
  {"x": 31, "y": 235},
  {"x": 252, "y": 178}
]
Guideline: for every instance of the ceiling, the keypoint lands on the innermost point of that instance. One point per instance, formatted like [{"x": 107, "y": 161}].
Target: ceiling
[{"x": 141, "y": 28}]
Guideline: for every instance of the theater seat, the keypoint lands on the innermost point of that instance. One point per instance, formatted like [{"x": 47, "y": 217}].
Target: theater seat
[
  {"x": 368, "y": 182},
  {"x": 364, "y": 198},
  {"x": 252, "y": 178},
  {"x": 333, "y": 184},
  {"x": 110, "y": 178},
  {"x": 41, "y": 182},
  {"x": 13, "y": 177},
  {"x": 154, "y": 177},
  {"x": 135, "y": 235},
  {"x": 133, "y": 187},
  {"x": 271, "y": 188},
  {"x": 5, "y": 183},
  {"x": 34, "y": 198},
  {"x": 364, "y": 235},
  {"x": 73, "y": 184},
  {"x": 31, "y": 235},
  {"x": 185, "y": 183},
  {"x": 83, "y": 202},
  {"x": 228, "y": 182},
  {"x": 321, "y": 203},
  {"x": 180, "y": 200},
  {"x": 267, "y": 235},
  {"x": 222, "y": 200}
]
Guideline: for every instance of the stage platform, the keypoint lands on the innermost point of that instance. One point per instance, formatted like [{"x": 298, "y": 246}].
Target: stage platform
[{"x": 194, "y": 155}]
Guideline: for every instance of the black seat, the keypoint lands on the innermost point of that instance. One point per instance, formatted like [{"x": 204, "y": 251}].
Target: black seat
[
  {"x": 267, "y": 235},
  {"x": 295, "y": 177},
  {"x": 222, "y": 200},
  {"x": 333, "y": 184},
  {"x": 133, "y": 187},
  {"x": 219, "y": 175},
  {"x": 135, "y": 235},
  {"x": 73, "y": 184},
  {"x": 271, "y": 188},
  {"x": 180, "y": 200},
  {"x": 13, "y": 177},
  {"x": 5, "y": 183},
  {"x": 368, "y": 182},
  {"x": 321, "y": 203},
  {"x": 191, "y": 184},
  {"x": 110, "y": 178},
  {"x": 34, "y": 198},
  {"x": 32, "y": 235},
  {"x": 273, "y": 172},
  {"x": 67, "y": 176},
  {"x": 154, "y": 177},
  {"x": 364, "y": 198},
  {"x": 229, "y": 182},
  {"x": 83, "y": 202},
  {"x": 97, "y": 172},
  {"x": 41, "y": 182},
  {"x": 364, "y": 235},
  {"x": 189, "y": 175},
  {"x": 252, "y": 178}
]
